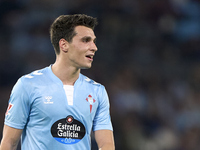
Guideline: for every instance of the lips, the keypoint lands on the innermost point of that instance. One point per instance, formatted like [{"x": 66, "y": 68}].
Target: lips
[{"x": 90, "y": 56}]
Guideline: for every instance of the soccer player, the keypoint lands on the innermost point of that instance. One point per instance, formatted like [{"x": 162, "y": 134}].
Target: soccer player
[{"x": 56, "y": 108}]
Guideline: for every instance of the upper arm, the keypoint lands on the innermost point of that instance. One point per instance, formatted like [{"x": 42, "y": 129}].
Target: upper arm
[
  {"x": 102, "y": 120},
  {"x": 11, "y": 137},
  {"x": 104, "y": 139},
  {"x": 19, "y": 106}
]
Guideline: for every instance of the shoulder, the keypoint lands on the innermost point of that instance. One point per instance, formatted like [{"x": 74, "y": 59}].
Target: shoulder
[
  {"x": 98, "y": 88},
  {"x": 89, "y": 81},
  {"x": 34, "y": 77},
  {"x": 26, "y": 83}
]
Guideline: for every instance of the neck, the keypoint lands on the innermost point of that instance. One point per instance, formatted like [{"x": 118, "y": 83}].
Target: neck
[{"x": 67, "y": 74}]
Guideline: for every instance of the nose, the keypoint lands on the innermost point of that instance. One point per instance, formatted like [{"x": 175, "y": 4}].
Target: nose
[{"x": 94, "y": 47}]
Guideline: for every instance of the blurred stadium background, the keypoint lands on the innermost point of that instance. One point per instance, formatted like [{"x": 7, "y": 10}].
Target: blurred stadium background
[{"x": 148, "y": 59}]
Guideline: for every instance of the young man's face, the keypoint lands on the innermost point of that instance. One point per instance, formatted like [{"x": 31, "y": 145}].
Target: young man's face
[{"x": 82, "y": 48}]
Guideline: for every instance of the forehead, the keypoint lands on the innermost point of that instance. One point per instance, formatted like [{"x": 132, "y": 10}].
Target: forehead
[{"x": 84, "y": 31}]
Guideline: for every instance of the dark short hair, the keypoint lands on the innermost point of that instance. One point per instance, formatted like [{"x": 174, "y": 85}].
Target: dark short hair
[{"x": 64, "y": 25}]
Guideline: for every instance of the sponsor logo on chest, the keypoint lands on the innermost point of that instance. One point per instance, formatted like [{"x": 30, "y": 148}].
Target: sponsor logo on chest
[{"x": 68, "y": 130}]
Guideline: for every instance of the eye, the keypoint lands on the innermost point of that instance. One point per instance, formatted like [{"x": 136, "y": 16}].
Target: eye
[
  {"x": 86, "y": 39},
  {"x": 95, "y": 41}
]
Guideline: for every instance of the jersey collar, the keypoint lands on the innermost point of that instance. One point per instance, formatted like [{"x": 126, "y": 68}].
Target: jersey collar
[{"x": 57, "y": 80}]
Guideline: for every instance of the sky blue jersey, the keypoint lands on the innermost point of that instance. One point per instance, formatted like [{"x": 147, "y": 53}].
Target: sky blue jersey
[{"x": 38, "y": 105}]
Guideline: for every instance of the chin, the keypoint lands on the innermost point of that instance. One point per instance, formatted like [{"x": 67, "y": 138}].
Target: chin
[{"x": 86, "y": 67}]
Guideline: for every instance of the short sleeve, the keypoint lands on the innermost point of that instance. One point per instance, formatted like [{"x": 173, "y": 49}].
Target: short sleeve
[
  {"x": 18, "y": 108},
  {"x": 102, "y": 118}
]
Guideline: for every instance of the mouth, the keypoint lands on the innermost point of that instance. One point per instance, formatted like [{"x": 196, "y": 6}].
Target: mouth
[{"x": 90, "y": 57}]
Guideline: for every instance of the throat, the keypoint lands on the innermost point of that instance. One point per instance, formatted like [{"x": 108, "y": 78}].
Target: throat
[{"x": 68, "y": 75}]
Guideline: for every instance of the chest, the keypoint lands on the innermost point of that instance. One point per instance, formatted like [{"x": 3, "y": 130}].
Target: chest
[{"x": 52, "y": 103}]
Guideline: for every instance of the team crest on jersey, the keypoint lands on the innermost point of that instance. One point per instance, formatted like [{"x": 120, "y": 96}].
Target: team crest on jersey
[
  {"x": 91, "y": 101},
  {"x": 9, "y": 108},
  {"x": 68, "y": 130}
]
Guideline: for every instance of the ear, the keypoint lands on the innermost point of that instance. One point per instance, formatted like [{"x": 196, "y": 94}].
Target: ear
[{"x": 63, "y": 44}]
